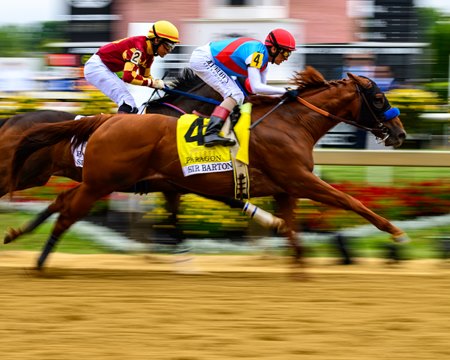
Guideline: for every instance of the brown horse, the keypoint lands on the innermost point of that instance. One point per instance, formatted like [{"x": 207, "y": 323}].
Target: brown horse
[
  {"x": 121, "y": 152},
  {"x": 188, "y": 93},
  {"x": 40, "y": 166},
  {"x": 58, "y": 160}
]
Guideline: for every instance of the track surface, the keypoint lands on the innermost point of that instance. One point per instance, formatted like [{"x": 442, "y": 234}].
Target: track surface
[{"x": 241, "y": 307}]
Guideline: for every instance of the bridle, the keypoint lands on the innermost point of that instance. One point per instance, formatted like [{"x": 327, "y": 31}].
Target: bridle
[{"x": 379, "y": 130}]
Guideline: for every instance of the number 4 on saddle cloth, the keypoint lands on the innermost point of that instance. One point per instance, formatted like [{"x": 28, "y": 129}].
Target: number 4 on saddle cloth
[{"x": 198, "y": 159}]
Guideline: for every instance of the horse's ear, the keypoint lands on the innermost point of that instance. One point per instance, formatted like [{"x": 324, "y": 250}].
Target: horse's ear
[
  {"x": 353, "y": 77},
  {"x": 359, "y": 80}
]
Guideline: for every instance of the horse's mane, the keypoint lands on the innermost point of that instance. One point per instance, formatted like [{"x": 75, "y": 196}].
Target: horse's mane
[
  {"x": 304, "y": 80},
  {"x": 186, "y": 81},
  {"x": 308, "y": 78}
]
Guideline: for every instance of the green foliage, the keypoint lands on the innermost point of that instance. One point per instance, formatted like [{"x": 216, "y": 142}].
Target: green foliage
[
  {"x": 409, "y": 196},
  {"x": 434, "y": 29},
  {"x": 51, "y": 31},
  {"x": 97, "y": 103},
  {"x": 440, "y": 40},
  {"x": 412, "y": 103},
  {"x": 19, "y": 41},
  {"x": 440, "y": 88},
  {"x": 94, "y": 103},
  {"x": 15, "y": 41},
  {"x": 70, "y": 243},
  {"x": 427, "y": 18},
  {"x": 18, "y": 104},
  {"x": 26, "y": 104}
]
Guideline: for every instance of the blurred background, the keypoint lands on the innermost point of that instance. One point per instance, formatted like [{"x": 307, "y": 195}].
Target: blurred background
[{"x": 403, "y": 45}]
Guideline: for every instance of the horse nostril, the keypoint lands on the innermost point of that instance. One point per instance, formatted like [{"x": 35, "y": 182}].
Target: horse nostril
[{"x": 402, "y": 136}]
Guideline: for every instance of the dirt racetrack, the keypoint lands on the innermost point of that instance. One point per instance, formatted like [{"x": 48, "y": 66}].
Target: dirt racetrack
[{"x": 96, "y": 307}]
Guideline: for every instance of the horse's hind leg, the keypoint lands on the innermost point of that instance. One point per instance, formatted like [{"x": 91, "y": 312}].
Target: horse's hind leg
[
  {"x": 73, "y": 205},
  {"x": 12, "y": 234}
]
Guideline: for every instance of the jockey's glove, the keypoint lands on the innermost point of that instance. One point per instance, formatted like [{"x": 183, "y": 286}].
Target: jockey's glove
[
  {"x": 157, "y": 84},
  {"x": 291, "y": 94}
]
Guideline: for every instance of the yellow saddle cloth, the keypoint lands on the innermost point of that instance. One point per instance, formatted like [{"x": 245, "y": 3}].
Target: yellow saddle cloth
[{"x": 198, "y": 159}]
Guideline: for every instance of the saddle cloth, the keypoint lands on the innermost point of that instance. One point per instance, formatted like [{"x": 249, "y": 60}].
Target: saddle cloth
[
  {"x": 195, "y": 158},
  {"x": 198, "y": 159},
  {"x": 78, "y": 152}
]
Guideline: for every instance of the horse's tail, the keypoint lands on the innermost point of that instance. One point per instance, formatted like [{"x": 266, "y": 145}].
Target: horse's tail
[{"x": 49, "y": 134}]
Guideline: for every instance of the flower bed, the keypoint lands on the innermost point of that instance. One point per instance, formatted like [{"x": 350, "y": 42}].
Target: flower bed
[{"x": 200, "y": 217}]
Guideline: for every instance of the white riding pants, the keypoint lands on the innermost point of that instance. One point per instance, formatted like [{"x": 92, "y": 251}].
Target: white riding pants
[
  {"x": 98, "y": 74},
  {"x": 203, "y": 64}
]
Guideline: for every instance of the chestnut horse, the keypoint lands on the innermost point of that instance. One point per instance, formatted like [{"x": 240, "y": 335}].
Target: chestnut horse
[
  {"x": 122, "y": 151},
  {"x": 58, "y": 160}
]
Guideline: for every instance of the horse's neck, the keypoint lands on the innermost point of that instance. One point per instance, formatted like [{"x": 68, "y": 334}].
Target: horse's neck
[{"x": 334, "y": 103}]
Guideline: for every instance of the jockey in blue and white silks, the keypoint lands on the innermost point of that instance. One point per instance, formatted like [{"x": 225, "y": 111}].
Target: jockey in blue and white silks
[
  {"x": 242, "y": 57},
  {"x": 234, "y": 56}
]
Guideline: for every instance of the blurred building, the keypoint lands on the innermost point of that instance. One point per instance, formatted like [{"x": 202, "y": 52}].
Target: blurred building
[
  {"x": 328, "y": 34},
  {"x": 326, "y": 31}
]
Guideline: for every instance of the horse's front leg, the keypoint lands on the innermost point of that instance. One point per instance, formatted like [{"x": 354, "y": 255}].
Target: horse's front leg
[
  {"x": 318, "y": 190},
  {"x": 173, "y": 200}
]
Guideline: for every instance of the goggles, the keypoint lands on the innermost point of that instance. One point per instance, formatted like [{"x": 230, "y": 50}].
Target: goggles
[
  {"x": 169, "y": 45},
  {"x": 285, "y": 53}
]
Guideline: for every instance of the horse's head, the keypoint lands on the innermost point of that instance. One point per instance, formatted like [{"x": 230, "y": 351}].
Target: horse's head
[{"x": 377, "y": 114}]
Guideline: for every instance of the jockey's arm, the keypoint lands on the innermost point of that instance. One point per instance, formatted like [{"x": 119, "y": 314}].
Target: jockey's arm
[
  {"x": 264, "y": 75},
  {"x": 132, "y": 76},
  {"x": 258, "y": 85}
]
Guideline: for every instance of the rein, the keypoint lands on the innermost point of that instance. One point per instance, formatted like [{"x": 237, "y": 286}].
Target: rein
[
  {"x": 192, "y": 96},
  {"x": 268, "y": 113},
  {"x": 331, "y": 116},
  {"x": 380, "y": 131}
]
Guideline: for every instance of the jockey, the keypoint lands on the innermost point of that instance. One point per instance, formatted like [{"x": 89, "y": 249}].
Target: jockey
[
  {"x": 242, "y": 57},
  {"x": 134, "y": 56}
]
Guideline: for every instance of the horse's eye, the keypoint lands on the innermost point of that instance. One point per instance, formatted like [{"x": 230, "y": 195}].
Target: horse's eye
[{"x": 378, "y": 101}]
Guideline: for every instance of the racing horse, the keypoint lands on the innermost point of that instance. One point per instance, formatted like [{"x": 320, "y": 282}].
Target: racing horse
[
  {"x": 187, "y": 94},
  {"x": 280, "y": 150},
  {"x": 58, "y": 160}
]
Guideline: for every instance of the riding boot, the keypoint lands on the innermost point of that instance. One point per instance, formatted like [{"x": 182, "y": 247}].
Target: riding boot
[
  {"x": 127, "y": 109},
  {"x": 216, "y": 121}
]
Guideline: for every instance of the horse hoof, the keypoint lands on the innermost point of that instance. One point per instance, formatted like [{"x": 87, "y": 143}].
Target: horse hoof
[
  {"x": 402, "y": 238},
  {"x": 280, "y": 226},
  {"x": 7, "y": 239},
  {"x": 10, "y": 235}
]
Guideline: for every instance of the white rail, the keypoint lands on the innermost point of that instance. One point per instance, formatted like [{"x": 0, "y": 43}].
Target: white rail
[{"x": 382, "y": 157}]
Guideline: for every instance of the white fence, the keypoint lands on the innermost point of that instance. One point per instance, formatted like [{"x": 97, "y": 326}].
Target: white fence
[{"x": 417, "y": 158}]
